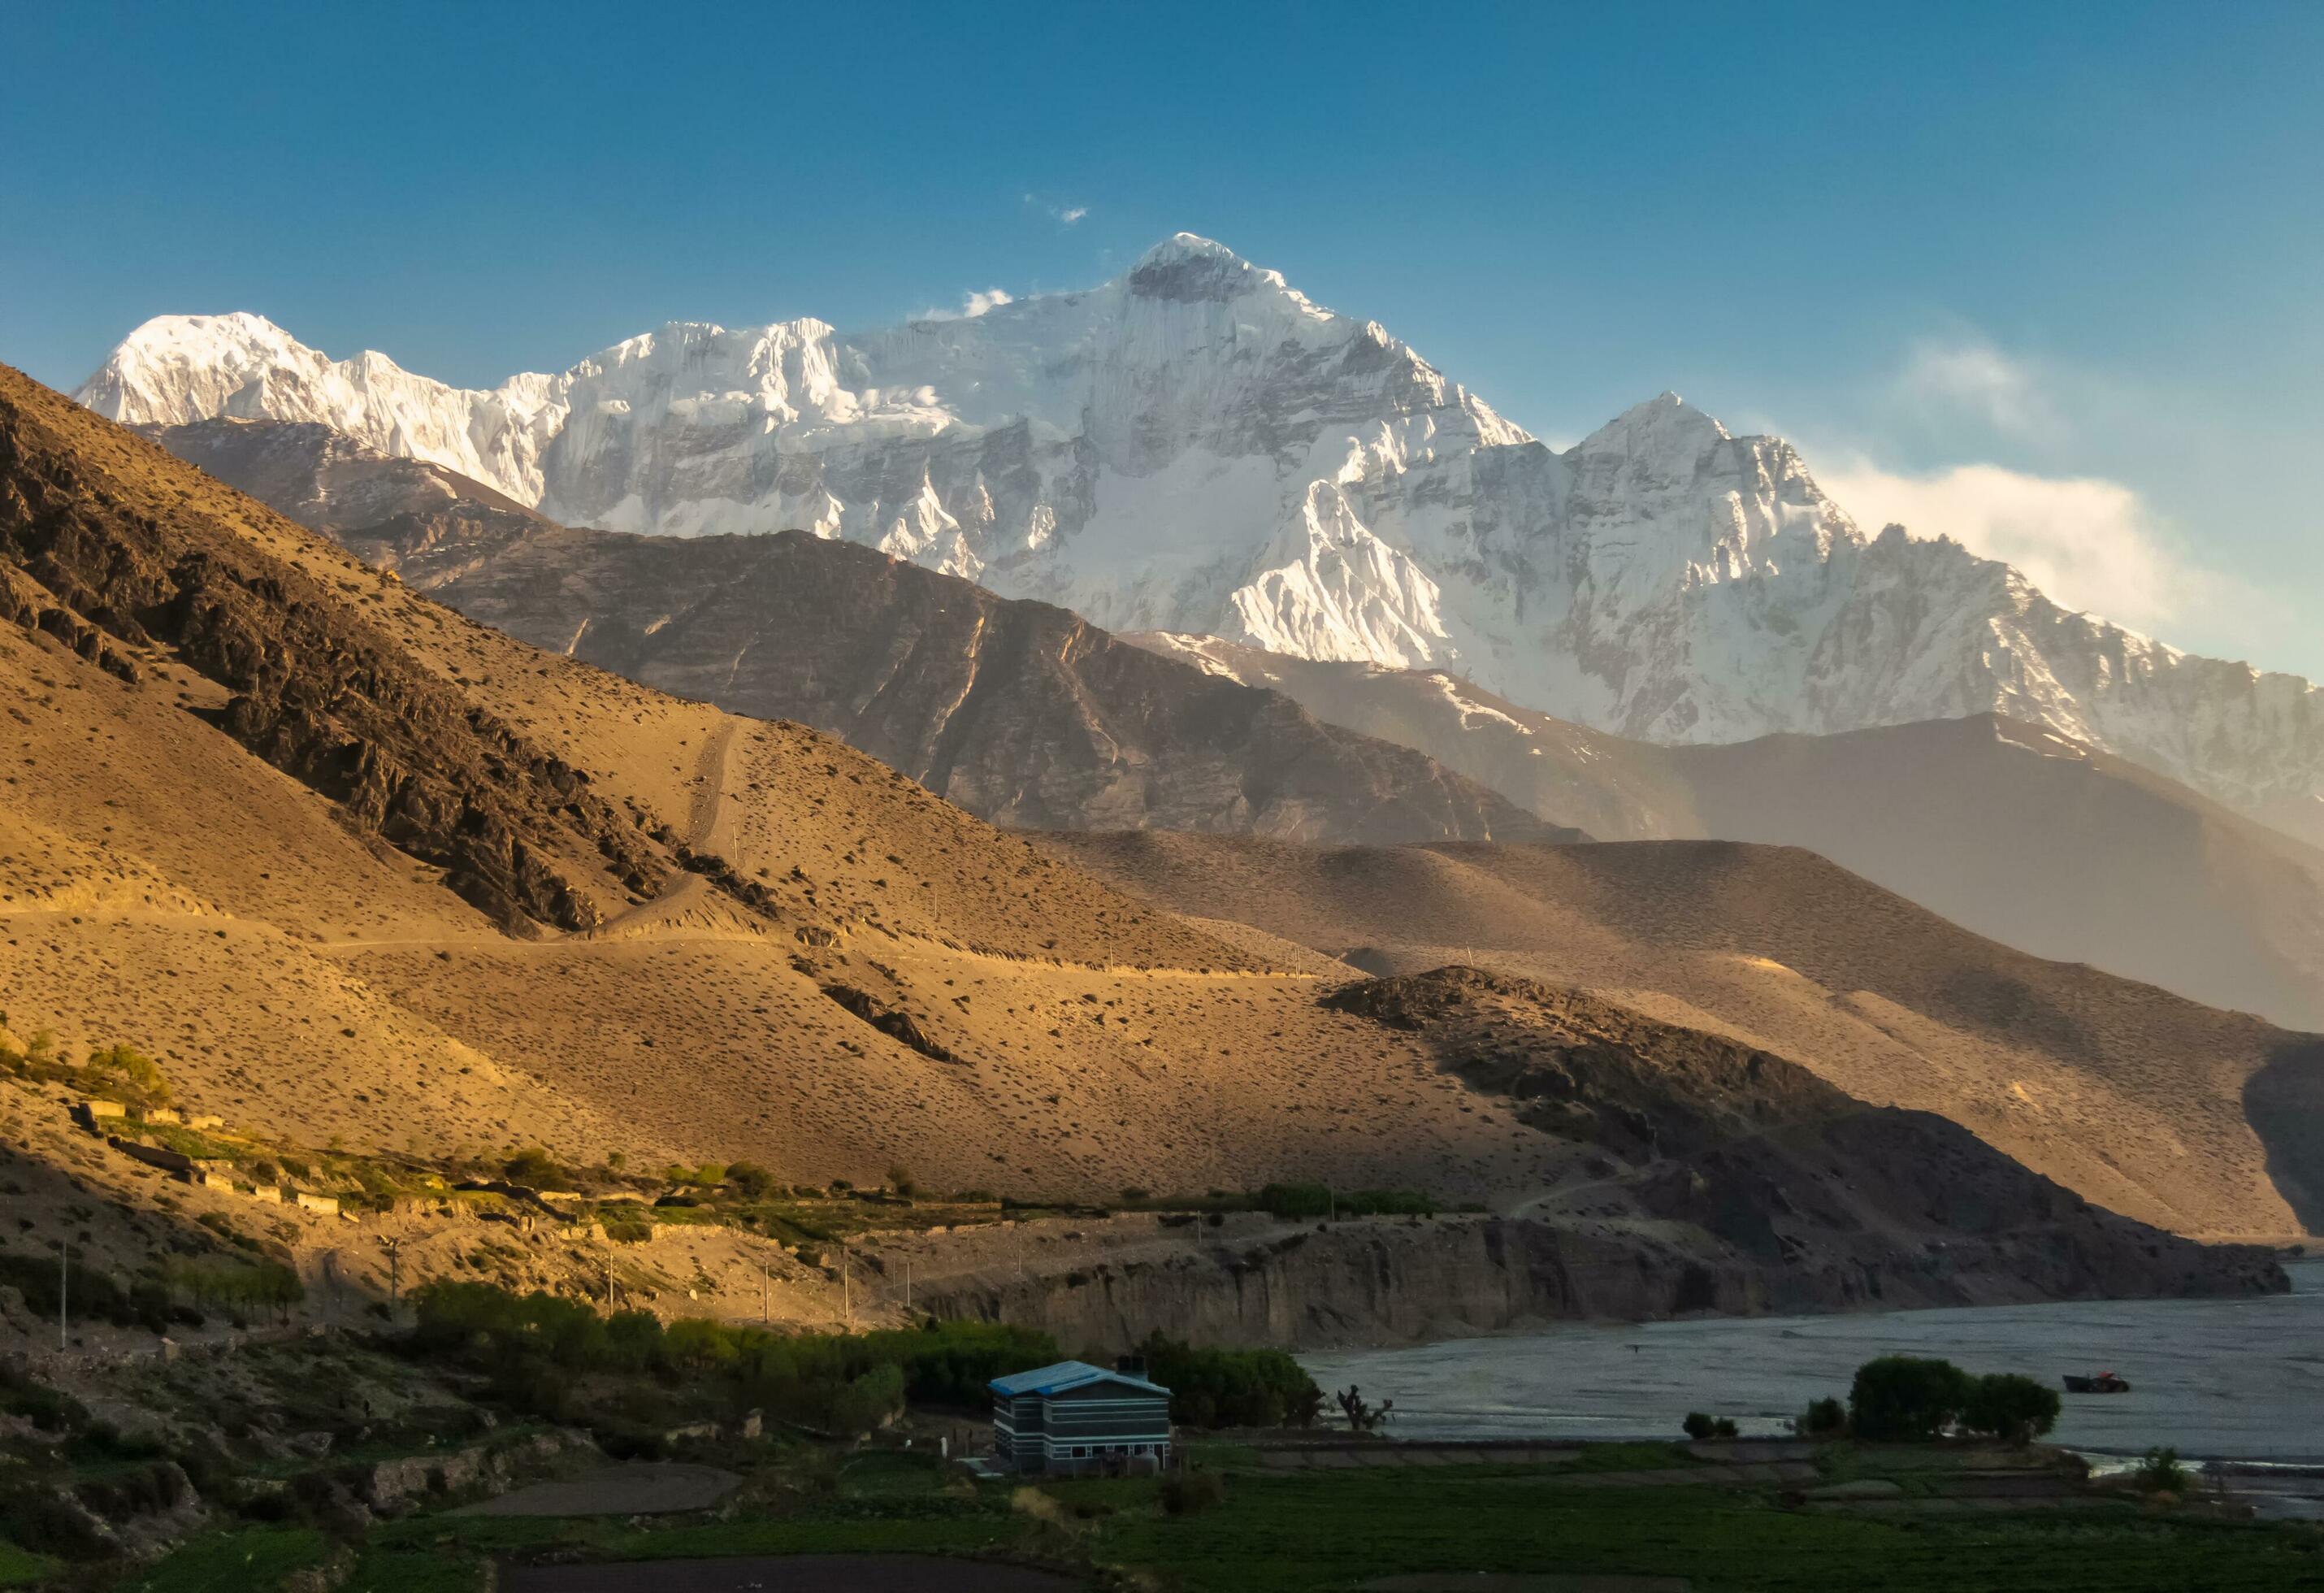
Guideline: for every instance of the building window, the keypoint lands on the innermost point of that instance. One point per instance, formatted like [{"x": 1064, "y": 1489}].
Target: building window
[{"x": 1081, "y": 1452}]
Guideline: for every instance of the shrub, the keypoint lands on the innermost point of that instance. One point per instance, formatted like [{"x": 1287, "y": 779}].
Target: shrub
[
  {"x": 538, "y": 1167},
  {"x": 1698, "y": 1426},
  {"x": 1298, "y": 1200},
  {"x": 750, "y": 1181},
  {"x": 1185, "y": 1493},
  {"x": 47, "y": 1409},
  {"x": 1824, "y": 1418},
  {"x": 2160, "y": 1473},
  {"x": 901, "y": 1179},
  {"x": 1906, "y": 1397},
  {"x": 46, "y": 1523},
  {"x": 128, "y": 1075},
  {"x": 2010, "y": 1405}
]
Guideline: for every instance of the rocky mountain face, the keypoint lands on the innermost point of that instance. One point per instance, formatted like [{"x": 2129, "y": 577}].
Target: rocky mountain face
[
  {"x": 2013, "y": 831},
  {"x": 1197, "y": 446},
  {"x": 1018, "y": 711},
  {"x": 308, "y": 683}
]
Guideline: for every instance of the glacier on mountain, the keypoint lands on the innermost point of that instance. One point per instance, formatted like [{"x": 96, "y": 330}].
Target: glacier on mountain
[{"x": 1196, "y": 447}]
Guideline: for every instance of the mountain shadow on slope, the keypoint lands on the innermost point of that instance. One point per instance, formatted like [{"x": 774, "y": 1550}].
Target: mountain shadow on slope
[
  {"x": 1696, "y": 1128},
  {"x": 2285, "y": 1100},
  {"x": 2131, "y": 1096}
]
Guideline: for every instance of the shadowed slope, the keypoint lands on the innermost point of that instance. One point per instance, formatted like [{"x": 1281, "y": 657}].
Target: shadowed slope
[{"x": 2132, "y": 1096}]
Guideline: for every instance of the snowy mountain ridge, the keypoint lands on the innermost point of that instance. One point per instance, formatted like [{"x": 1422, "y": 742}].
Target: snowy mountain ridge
[{"x": 1197, "y": 446}]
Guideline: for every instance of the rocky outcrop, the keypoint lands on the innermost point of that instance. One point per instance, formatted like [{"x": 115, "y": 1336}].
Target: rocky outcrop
[{"x": 99, "y": 549}]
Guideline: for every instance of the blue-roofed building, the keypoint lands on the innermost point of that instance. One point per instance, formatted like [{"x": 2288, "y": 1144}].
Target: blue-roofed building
[{"x": 1074, "y": 1417}]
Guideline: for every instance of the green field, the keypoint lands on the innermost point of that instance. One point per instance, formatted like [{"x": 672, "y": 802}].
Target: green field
[{"x": 1309, "y": 1532}]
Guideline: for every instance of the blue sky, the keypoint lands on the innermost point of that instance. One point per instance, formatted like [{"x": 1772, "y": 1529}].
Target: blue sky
[{"x": 2047, "y": 276}]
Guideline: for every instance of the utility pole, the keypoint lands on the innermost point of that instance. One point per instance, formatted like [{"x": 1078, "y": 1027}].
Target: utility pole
[
  {"x": 608, "y": 1285},
  {"x": 394, "y": 1277},
  {"x": 907, "y": 1288},
  {"x": 766, "y": 1310},
  {"x": 64, "y": 1281},
  {"x": 847, "y": 1286}
]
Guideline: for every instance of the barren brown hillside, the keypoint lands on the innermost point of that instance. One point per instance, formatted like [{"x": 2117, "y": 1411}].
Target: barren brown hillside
[
  {"x": 2132, "y": 1096},
  {"x": 361, "y": 873},
  {"x": 707, "y": 944}
]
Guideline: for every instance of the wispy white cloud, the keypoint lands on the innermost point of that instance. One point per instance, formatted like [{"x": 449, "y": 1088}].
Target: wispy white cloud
[
  {"x": 2023, "y": 458},
  {"x": 2088, "y": 544},
  {"x": 972, "y": 305},
  {"x": 1064, "y": 215},
  {"x": 1949, "y": 380}
]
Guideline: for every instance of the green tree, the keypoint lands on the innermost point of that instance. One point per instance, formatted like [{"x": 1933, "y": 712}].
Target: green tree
[
  {"x": 131, "y": 1074},
  {"x": 1232, "y": 1387},
  {"x": 2010, "y": 1405},
  {"x": 1907, "y": 1397}
]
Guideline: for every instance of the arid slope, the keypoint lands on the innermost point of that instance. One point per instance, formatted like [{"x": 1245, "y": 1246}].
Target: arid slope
[
  {"x": 2141, "y": 1101},
  {"x": 356, "y": 865},
  {"x": 358, "y": 869}
]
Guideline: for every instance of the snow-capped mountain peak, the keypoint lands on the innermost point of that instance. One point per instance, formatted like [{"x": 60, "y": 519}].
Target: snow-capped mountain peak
[
  {"x": 1197, "y": 446},
  {"x": 1663, "y": 427}
]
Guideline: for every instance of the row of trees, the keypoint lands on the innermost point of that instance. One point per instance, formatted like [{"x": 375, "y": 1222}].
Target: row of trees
[
  {"x": 840, "y": 1382},
  {"x": 1231, "y": 1387},
  {"x": 534, "y": 1344}
]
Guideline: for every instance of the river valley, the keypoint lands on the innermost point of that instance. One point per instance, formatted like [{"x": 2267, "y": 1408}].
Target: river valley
[{"x": 2239, "y": 1379}]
